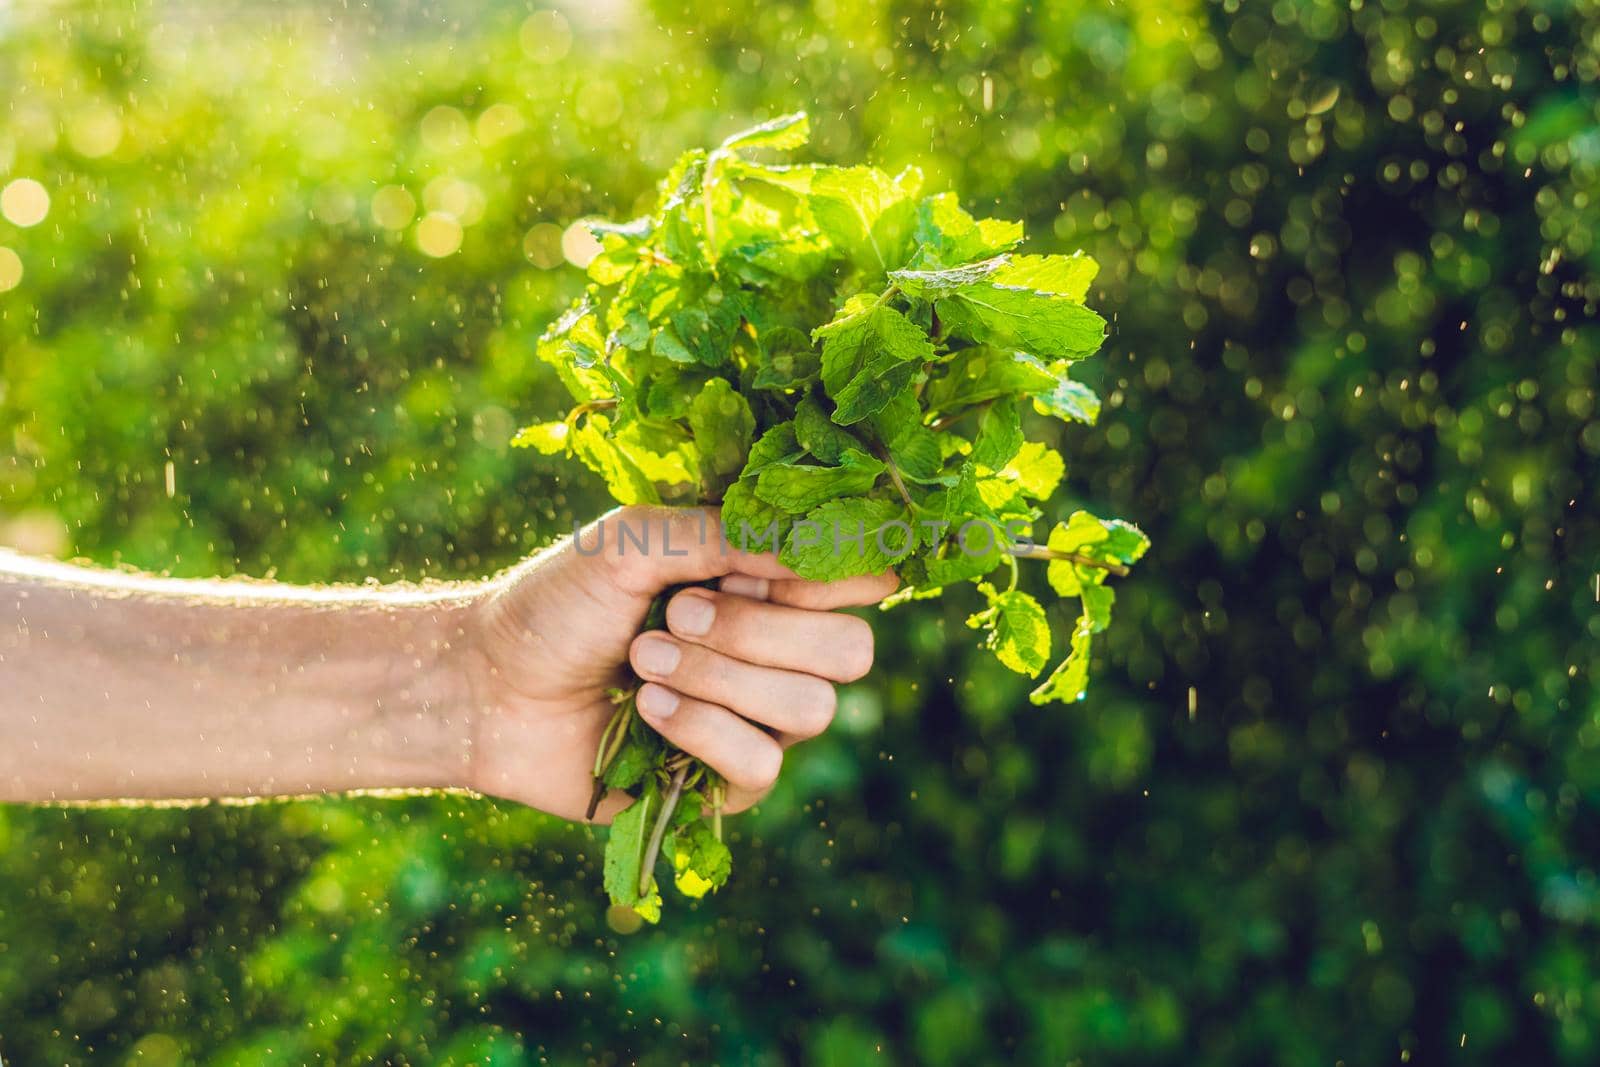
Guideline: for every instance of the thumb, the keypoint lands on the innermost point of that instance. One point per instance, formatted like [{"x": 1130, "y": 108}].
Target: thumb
[{"x": 650, "y": 548}]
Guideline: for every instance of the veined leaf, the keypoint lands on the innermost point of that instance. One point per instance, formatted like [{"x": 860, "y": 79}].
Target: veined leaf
[
  {"x": 783, "y": 133},
  {"x": 547, "y": 438},
  {"x": 1019, "y": 632},
  {"x": 798, "y": 487},
  {"x": 849, "y": 537},
  {"x": 869, "y": 355},
  {"x": 1071, "y": 677}
]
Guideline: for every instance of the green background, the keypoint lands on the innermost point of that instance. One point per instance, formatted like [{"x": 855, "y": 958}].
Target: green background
[{"x": 1335, "y": 792}]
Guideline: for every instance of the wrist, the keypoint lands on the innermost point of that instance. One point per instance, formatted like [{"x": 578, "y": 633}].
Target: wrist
[{"x": 421, "y": 724}]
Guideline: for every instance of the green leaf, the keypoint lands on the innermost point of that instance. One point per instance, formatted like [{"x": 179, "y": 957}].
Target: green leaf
[
  {"x": 850, "y": 537},
  {"x": 868, "y": 357},
  {"x": 797, "y": 488},
  {"x": 866, "y": 214},
  {"x": 1019, "y": 631},
  {"x": 631, "y": 764},
  {"x": 913, "y": 448},
  {"x": 723, "y": 425},
  {"x": 777, "y": 445},
  {"x": 1124, "y": 542},
  {"x": 788, "y": 359},
  {"x": 1038, "y": 323},
  {"x": 626, "y": 482},
  {"x": 1068, "y": 276},
  {"x": 547, "y": 437},
  {"x": 700, "y": 862},
  {"x": 678, "y": 225},
  {"x": 916, "y": 456},
  {"x": 703, "y": 331},
  {"x": 670, "y": 390},
  {"x": 1071, "y": 677},
  {"x": 572, "y": 345},
  {"x": 979, "y": 374},
  {"x": 784, "y": 133},
  {"x": 946, "y": 235},
  {"x": 750, "y": 523},
  {"x": 661, "y": 451},
  {"x": 1037, "y": 469},
  {"x": 999, "y": 435},
  {"x": 989, "y": 302},
  {"x": 625, "y": 846},
  {"x": 1111, "y": 539},
  {"x": 1097, "y": 602},
  {"x": 1068, "y": 400},
  {"x": 1083, "y": 534},
  {"x": 973, "y": 549},
  {"x": 819, "y": 435}
]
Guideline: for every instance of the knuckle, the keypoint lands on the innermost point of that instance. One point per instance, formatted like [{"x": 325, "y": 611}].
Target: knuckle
[
  {"x": 615, "y": 540},
  {"x": 859, "y": 650},
  {"x": 760, "y": 771},
  {"x": 816, "y": 708},
  {"x": 731, "y": 625}
]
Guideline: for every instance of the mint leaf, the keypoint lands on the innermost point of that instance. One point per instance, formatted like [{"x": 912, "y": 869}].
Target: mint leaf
[
  {"x": 625, "y": 853},
  {"x": 627, "y": 483},
  {"x": 999, "y": 435},
  {"x": 850, "y": 537},
  {"x": 1036, "y": 469},
  {"x": 1097, "y": 601},
  {"x": 787, "y": 359},
  {"x": 866, "y": 213},
  {"x": 1068, "y": 276},
  {"x": 913, "y": 448},
  {"x": 1083, "y": 534},
  {"x": 1038, "y": 323},
  {"x": 782, "y": 133},
  {"x": 1071, "y": 677},
  {"x": 979, "y": 374},
  {"x": 547, "y": 438},
  {"x": 700, "y": 862},
  {"x": 777, "y": 445},
  {"x": 1068, "y": 400},
  {"x": 1019, "y": 632},
  {"x": 723, "y": 425},
  {"x": 946, "y": 235},
  {"x": 819, "y": 435},
  {"x": 869, "y": 356},
  {"x": 797, "y": 488},
  {"x": 749, "y": 523}
]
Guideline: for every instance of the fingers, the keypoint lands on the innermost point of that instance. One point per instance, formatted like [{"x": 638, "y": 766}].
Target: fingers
[
  {"x": 860, "y": 592},
  {"x": 743, "y": 753},
  {"x": 798, "y": 706},
  {"x": 832, "y": 646}
]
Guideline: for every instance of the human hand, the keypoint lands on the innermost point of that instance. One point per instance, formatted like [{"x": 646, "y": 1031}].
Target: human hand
[{"x": 739, "y": 674}]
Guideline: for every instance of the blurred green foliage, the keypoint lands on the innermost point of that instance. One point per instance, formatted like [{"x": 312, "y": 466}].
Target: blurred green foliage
[{"x": 1335, "y": 794}]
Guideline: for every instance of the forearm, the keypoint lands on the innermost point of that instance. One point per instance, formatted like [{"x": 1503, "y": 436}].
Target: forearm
[{"x": 116, "y": 686}]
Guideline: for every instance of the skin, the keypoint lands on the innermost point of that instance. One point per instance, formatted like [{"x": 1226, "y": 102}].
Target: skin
[{"x": 122, "y": 686}]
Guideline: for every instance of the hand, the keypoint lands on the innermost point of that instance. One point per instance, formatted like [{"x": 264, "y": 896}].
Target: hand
[{"x": 738, "y": 675}]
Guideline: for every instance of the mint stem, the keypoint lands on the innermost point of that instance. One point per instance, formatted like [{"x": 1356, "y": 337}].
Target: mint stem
[
  {"x": 1041, "y": 552},
  {"x": 669, "y": 805}
]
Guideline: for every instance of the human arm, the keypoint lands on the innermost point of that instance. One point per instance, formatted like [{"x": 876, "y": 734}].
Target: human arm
[{"x": 126, "y": 686}]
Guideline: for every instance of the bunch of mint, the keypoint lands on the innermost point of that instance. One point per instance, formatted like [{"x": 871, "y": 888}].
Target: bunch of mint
[{"x": 843, "y": 365}]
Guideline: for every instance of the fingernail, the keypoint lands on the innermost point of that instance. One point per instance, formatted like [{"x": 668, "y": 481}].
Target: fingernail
[
  {"x": 657, "y": 702},
  {"x": 656, "y": 656},
  {"x": 746, "y": 586},
  {"x": 691, "y": 615}
]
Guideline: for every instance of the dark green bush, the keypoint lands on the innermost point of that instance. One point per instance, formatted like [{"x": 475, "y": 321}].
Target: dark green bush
[{"x": 1334, "y": 795}]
